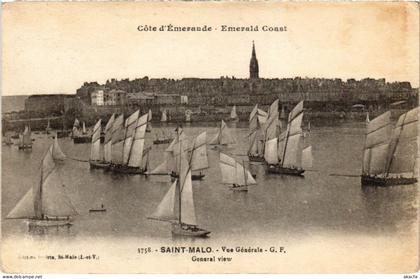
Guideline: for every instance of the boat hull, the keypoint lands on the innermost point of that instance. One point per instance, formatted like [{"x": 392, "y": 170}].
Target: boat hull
[
  {"x": 238, "y": 188},
  {"x": 62, "y": 134},
  {"x": 86, "y": 139},
  {"x": 165, "y": 141},
  {"x": 193, "y": 176},
  {"x": 256, "y": 158},
  {"x": 177, "y": 229},
  {"x": 98, "y": 165},
  {"x": 368, "y": 180},
  {"x": 276, "y": 169},
  {"x": 97, "y": 210},
  {"x": 126, "y": 169},
  {"x": 25, "y": 146},
  {"x": 49, "y": 223}
]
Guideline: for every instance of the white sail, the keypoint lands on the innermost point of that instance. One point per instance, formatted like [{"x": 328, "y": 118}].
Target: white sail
[
  {"x": 130, "y": 125},
  {"x": 96, "y": 142},
  {"x": 108, "y": 137},
  {"x": 271, "y": 130},
  {"x": 199, "y": 158},
  {"x": 164, "y": 117},
  {"x": 225, "y": 135},
  {"x": 46, "y": 198},
  {"x": 403, "y": 146},
  {"x": 307, "y": 158},
  {"x": 280, "y": 147},
  {"x": 378, "y": 133},
  {"x": 76, "y": 123},
  {"x": 293, "y": 154},
  {"x": 165, "y": 210},
  {"x": 161, "y": 169},
  {"x": 137, "y": 148},
  {"x": 250, "y": 179},
  {"x": 117, "y": 152},
  {"x": 295, "y": 126},
  {"x": 253, "y": 113},
  {"x": 24, "y": 209},
  {"x": 187, "y": 201},
  {"x": 377, "y": 159},
  {"x": 26, "y": 137},
  {"x": 416, "y": 168},
  {"x": 296, "y": 111},
  {"x": 262, "y": 116},
  {"x": 215, "y": 140},
  {"x": 403, "y": 158},
  {"x": 233, "y": 114},
  {"x": 273, "y": 111},
  {"x": 270, "y": 151},
  {"x": 243, "y": 176},
  {"x": 262, "y": 113},
  {"x": 55, "y": 202},
  {"x": 228, "y": 168},
  {"x": 117, "y": 139},
  {"x": 108, "y": 151},
  {"x": 262, "y": 119},
  {"x": 57, "y": 153},
  {"x": 253, "y": 144}
]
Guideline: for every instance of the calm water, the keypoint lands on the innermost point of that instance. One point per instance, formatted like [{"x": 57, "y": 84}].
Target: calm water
[{"x": 277, "y": 205}]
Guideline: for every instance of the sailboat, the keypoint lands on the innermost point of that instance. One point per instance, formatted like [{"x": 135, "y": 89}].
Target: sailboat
[
  {"x": 164, "y": 117},
  {"x": 76, "y": 127},
  {"x": 198, "y": 157},
  {"x": 7, "y": 139},
  {"x": 149, "y": 121},
  {"x": 25, "y": 140},
  {"x": 80, "y": 136},
  {"x": 235, "y": 174},
  {"x": 46, "y": 203},
  {"x": 63, "y": 132},
  {"x": 169, "y": 164},
  {"x": 390, "y": 155},
  {"x": 233, "y": 115},
  {"x": 107, "y": 139},
  {"x": 256, "y": 147},
  {"x": 223, "y": 136},
  {"x": 129, "y": 155},
  {"x": 96, "y": 158},
  {"x": 164, "y": 137},
  {"x": 48, "y": 129},
  {"x": 284, "y": 154},
  {"x": 177, "y": 206}
]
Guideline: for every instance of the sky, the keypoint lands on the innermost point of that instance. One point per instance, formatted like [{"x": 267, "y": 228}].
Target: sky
[{"x": 55, "y": 47}]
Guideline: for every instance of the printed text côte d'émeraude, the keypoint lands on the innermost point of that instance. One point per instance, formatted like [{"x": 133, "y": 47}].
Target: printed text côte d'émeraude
[{"x": 207, "y": 28}]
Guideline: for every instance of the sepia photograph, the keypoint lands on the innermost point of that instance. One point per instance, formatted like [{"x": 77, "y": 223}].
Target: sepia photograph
[{"x": 209, "y": 138}]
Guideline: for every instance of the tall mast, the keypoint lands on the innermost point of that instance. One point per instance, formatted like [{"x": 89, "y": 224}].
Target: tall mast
[
  {"x": 245, "y": 174},
  {"x": 179, "y": 178}
]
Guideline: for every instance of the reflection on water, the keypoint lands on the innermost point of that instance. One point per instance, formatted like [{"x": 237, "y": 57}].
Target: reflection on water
[{"x": 283, "y": 206}]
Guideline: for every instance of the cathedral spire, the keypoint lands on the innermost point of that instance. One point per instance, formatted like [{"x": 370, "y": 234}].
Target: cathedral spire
[{"x": 253, "y": 65}]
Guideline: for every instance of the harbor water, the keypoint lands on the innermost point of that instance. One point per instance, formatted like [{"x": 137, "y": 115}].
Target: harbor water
[{"x": 285, "y": 209}]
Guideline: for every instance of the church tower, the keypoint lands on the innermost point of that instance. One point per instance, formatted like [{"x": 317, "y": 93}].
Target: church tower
[{"x": 253, "y": 64}]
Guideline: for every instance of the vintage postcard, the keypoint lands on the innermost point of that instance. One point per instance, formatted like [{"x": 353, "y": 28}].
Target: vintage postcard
[{"x": 209, "y": 137}]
